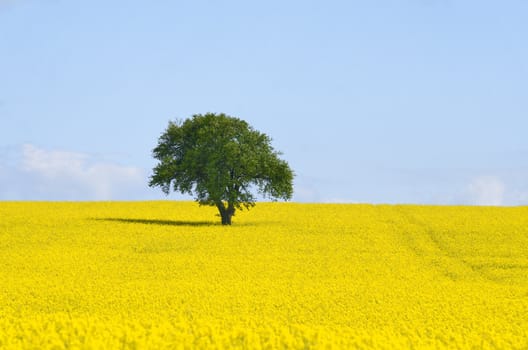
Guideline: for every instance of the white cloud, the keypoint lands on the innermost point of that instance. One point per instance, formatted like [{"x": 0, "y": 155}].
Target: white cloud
[
  {"x": 306, "y": 193},
  {"x": 309, "y": 189},
  {"x": 486, "y": 190},
  {"x": 30, "y": 172},
  {"x": 63, "y": 175}
]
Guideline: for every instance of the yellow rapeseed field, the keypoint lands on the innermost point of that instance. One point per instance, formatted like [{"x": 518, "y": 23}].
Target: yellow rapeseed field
[{"x": 167, "y": 275}]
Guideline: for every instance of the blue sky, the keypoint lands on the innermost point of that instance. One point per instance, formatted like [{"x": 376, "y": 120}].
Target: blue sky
[{"x": 386, "y": 101}]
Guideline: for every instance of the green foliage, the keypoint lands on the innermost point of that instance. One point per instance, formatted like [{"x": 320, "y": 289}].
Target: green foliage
[{"x": 219, "y": 159}]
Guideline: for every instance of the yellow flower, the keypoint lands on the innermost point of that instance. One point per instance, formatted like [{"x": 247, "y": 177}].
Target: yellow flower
[{"x": 165, "y": 275}]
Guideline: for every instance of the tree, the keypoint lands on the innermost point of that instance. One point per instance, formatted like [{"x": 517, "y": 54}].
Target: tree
[{"x": 220, "y": 160}]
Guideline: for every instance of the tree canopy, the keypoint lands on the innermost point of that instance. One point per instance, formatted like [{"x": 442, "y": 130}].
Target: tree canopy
[{"x": 221, "y": 160}]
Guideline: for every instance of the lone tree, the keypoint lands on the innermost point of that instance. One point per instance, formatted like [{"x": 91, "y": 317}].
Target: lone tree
[{"x": 220, "y": 159}]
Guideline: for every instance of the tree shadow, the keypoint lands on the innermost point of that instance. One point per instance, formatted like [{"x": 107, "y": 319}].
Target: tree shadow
[{"x": 158, "y": 222}]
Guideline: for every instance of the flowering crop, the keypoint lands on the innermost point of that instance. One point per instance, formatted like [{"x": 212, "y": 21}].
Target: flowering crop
[{"x": 166, "y": 275}]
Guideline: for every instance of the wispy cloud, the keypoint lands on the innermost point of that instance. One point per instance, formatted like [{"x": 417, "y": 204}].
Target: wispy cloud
[
  {"x": 65, "y": 175},
  {"x": 306, "y": 193},
  {"x": 29, "y": 172},
  {"x": 486, "y": 190}
]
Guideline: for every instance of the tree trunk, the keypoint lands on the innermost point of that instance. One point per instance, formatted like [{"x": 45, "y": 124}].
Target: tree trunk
[
  {"x": 226, "y": 219},
  {"x": 226, "y": 213}
]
